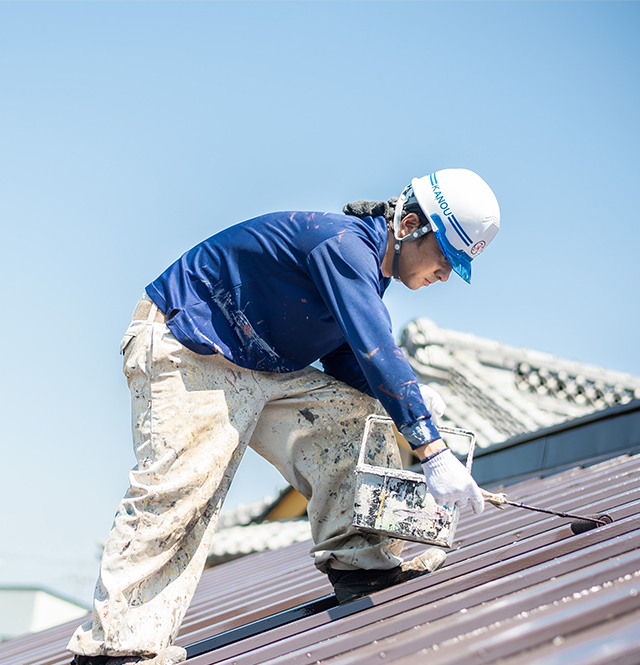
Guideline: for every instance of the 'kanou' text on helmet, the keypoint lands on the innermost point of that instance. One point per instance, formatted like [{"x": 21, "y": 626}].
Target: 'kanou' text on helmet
[{"x": 462, "y": 210}]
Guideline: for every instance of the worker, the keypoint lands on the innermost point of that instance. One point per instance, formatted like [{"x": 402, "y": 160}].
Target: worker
[{"x": 218, "y": 357}]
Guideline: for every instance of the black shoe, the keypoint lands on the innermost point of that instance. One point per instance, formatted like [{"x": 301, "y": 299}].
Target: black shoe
[
  {"x": 89, "y": 660},
  {"x": 351, "y": 584},
  {"x": 169, "y": 656}
]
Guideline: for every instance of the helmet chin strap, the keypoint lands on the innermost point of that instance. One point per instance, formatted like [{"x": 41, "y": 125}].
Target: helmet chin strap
[
  {"x": 397, "y": 242},
  {"x": 397, "y": 246},
  {"x": 396, "y": 261}
]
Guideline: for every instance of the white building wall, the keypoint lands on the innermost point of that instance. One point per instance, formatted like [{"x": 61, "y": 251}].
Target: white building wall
[
  {"x": 51, "y": 611},
  {"x": 25, "y": 611}
]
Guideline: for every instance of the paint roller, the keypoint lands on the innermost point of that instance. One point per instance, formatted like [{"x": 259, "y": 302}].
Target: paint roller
[{"x": 579, "y": 523}]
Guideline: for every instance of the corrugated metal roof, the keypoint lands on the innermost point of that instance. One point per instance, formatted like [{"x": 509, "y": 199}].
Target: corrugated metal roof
[{"x": 518, "y": 587}]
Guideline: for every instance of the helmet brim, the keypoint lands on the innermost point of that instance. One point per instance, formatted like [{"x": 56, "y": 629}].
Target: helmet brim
[{"x": 458, "y": 260}]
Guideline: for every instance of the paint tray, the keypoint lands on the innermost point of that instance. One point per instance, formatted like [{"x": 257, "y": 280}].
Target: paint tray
[{"x": 395, "y": 502}]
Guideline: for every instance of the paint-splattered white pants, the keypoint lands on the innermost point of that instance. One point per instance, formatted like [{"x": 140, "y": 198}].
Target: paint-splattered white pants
[{"x": 193, "y": 416}]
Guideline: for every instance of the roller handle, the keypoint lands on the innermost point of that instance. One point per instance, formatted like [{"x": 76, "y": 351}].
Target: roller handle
[{"x": 500, "y": 500}]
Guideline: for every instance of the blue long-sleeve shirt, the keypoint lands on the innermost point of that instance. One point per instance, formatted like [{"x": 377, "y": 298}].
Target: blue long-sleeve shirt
[{"x": 280, "y": 291}]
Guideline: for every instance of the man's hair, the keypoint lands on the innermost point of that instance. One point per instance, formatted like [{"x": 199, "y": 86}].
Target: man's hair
[{"x": 384, "y": 209}]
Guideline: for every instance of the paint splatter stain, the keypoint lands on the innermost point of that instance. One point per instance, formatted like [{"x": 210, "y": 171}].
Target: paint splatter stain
[{"x": 308, "y": 415}]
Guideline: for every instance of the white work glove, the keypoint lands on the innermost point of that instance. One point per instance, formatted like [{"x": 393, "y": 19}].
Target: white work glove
[
  {"x": 433, "y": 401},
  {"x": 450, "y": 483}
]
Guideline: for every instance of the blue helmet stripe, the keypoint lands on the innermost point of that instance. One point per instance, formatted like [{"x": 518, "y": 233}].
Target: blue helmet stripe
[
  {"x": 459, "y": 232},
  {"x": 458, "y": 227}
]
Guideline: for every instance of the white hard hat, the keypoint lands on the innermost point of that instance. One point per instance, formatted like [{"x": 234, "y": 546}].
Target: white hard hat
[{"x": 462, "y": 210}]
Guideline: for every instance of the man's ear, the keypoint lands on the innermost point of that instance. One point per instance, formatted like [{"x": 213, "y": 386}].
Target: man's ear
[{"x": 409, "y": 224}]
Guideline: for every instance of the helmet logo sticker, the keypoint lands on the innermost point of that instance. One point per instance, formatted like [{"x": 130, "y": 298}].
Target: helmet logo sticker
[
  {"x": 439, "y": 196},
  {"x": 478, "y": 247}
]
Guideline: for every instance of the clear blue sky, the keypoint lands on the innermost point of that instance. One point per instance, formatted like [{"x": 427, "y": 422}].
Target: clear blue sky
[{"x": 131, "y": 131}]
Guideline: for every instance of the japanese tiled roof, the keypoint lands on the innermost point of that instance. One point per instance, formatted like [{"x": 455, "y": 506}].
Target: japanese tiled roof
[
  {"x": 518, "y": 587},
  {"x": 254, "y": 527},
  {"x": 236, "y": 541},
  {"x": 501, "y": 391}
]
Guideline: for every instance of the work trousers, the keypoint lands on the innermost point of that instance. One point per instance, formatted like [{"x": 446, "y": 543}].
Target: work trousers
[{"x": 192, "y": 418}]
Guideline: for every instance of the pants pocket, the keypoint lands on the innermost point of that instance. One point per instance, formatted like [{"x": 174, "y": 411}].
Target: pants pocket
[
  {"x": 125, "y": 342},
  {"x": 129, "y": 343}
]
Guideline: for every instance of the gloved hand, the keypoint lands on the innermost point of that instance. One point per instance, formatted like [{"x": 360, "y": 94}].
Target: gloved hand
[
  {"x": 433, "y": 401},
  {"x": 449, "y": 482}
]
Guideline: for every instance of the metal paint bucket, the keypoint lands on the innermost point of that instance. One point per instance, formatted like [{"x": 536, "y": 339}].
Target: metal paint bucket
[{"x": 395, "y": 502}]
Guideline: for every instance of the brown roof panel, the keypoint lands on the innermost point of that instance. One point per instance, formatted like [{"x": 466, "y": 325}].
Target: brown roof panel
[
  {"x": 518, "y": 587},
  {"x": 505, "y": 557},
  {"x": 611, "y": 642},
  {"x": 458, "y": 599}
]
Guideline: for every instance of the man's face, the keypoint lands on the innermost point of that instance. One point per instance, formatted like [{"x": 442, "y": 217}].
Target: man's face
[{"x": 423, "y": 263}]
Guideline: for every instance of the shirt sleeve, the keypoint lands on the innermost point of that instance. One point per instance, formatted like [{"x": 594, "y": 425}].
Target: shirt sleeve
[{"x": 346, "y": 272}]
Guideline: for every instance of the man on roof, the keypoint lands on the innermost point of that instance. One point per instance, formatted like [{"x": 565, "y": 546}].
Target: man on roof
[{"x": 217, "y": 358}]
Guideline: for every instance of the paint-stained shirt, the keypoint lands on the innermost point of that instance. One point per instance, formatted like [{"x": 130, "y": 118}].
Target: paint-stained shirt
[{"x": 280, "y": 291}]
